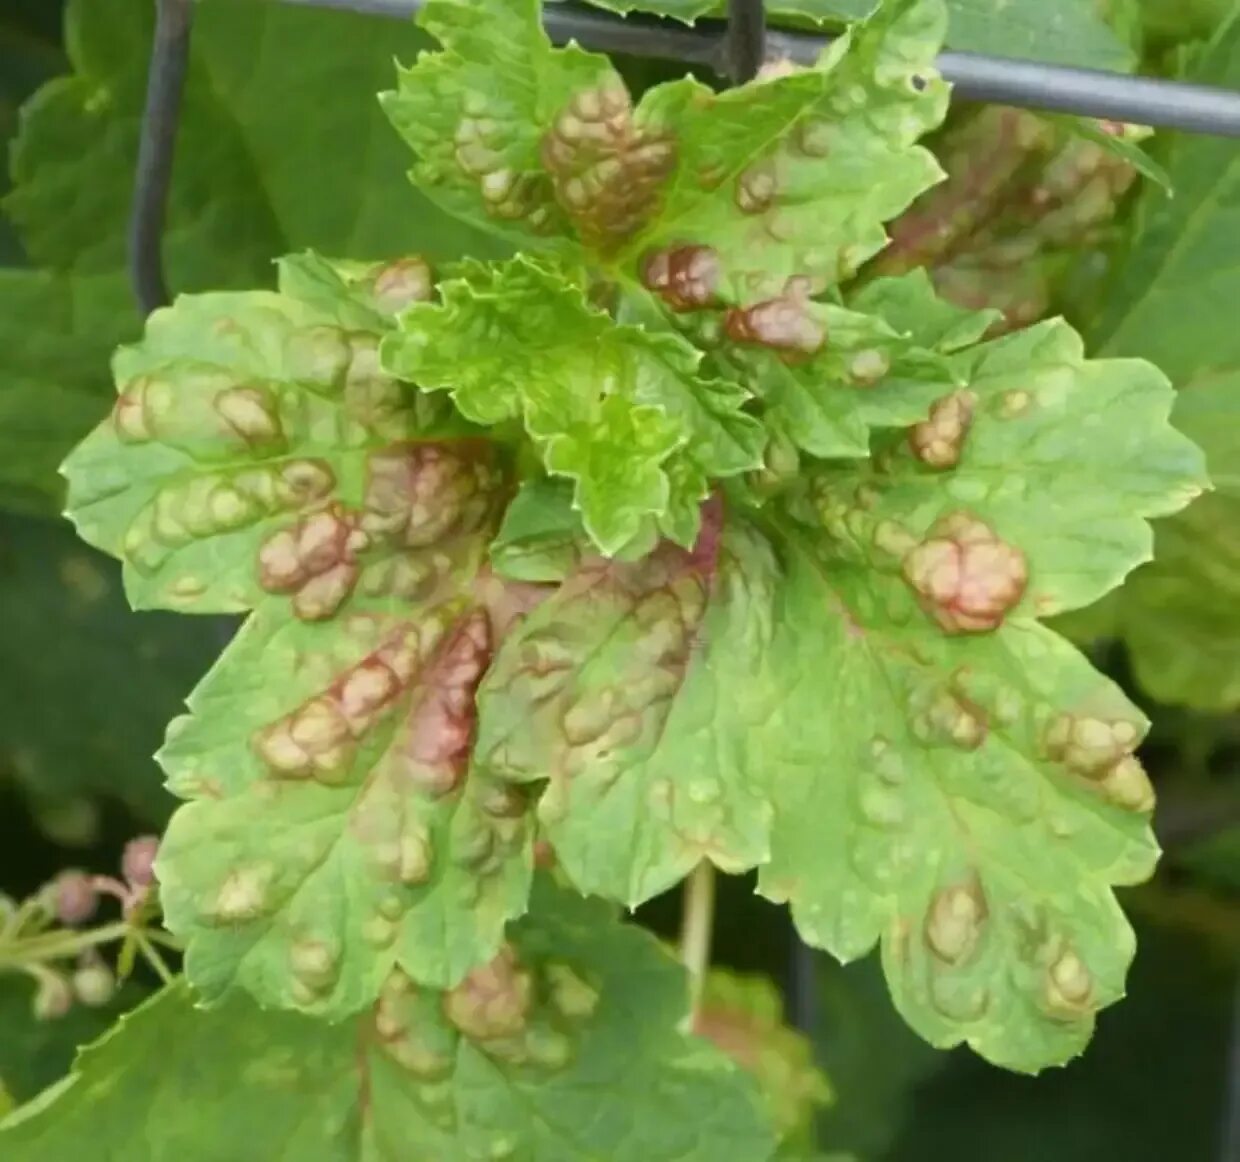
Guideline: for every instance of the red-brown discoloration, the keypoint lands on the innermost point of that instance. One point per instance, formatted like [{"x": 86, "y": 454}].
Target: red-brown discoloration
[
  {"x": 939, "y": 440},
  {"x": 966, "y": 578},
  {"x": 419, "y": 494},
  {"x": 784, "y": 324},
  {"x": 684, "y": 277},
  {"x": 431, "y": 750},
  {"x": 315, "y": 560},
  {"x": 607, "y": 171},
  {"x": 317, "y": 740},
  {"x": 493, "y": 1001}
]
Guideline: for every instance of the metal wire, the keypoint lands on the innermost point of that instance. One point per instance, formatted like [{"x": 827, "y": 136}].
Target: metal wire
[
  {"x": 746, "y": 39},
  {"x": 165, "y": 89},
  {"x": 1005, "y": 80}
]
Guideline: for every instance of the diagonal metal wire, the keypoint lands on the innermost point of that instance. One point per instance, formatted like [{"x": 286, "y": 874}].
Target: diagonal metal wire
[{"x": 1031, "y": 84}]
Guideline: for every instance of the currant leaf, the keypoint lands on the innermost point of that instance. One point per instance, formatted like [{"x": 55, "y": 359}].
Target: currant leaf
[
  {"x": 236, "y": 414},
  {"x": 672, "y": 704},
  {"x": 259, "y": 458},
  {"x": 792, "y": 178},
  {"x": 1025, "y": 196},
  {"x": 1177, "y": 614},
  {"x": 744, "y": 1016},
  {"x": 985, "y": 795},
  {"x": 535, "y": 1055},
  {"x": 611, "y": 407},
  {"x": 863, "y": 374},
  {"x": 476, "y": 114},
  {"x": 541, "y": 539},
  {"x": 602, "y": 693}
]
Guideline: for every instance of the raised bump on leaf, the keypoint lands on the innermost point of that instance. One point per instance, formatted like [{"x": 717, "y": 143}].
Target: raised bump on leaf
[
  {"x": 966, "y": 577},
  {"x": 939, "y": 440},
  {"x": 606, "y": 170}
]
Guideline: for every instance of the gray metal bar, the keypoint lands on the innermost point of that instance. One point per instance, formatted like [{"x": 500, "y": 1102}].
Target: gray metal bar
[
  {"x": 746, "y": 43},
  {"x": 165, "y": 88},
  {"x": 1086, "y": 92}
]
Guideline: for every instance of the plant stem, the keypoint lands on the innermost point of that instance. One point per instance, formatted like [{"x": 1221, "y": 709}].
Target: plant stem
[
  {"x": 58, "y": 945},
  {"x": 696, "y": 928}
]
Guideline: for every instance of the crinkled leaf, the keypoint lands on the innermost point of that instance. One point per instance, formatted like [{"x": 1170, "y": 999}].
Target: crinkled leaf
[
  {"x": 984, "y": 796},
  {"x": 1026, "y": 196},
  {"x": 646, "y": 741},
  {"x": 536, "y": 1055},
  {"x": 476, "y": 113},
  {"x": 864, "y": 375},
  {"x": 980, "y": 797},
  {"x": 258, "y": 458},
  {"x": 793, "y": 177},
  {"x": 610, "y": 406}
]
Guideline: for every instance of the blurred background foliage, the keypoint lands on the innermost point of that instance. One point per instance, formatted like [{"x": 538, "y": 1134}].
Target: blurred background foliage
[{"x": 280, "y": 102}]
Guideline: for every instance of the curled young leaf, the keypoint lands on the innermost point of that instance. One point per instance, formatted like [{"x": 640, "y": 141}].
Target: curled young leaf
[{"x": 623, "y": 412}]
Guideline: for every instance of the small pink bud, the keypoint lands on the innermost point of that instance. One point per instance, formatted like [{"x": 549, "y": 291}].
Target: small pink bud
[
  {"x": 75, "y": 898},
  {"x": 138, "y": 860}
]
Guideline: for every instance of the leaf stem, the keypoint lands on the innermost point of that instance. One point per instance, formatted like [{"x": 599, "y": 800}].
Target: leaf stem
[
  {"x": 697, "y": 925},
  {"x": 59, "y": 945}
]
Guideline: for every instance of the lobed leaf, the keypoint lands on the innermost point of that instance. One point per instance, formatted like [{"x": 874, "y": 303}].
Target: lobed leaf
[
  {"x": 792, "y": 178},
  {"x": 648, "y": 744},
  {"x": 259, "y": 458},
  {"x": 981, "y": 796},
  {"x": 476, "y": 113},
  {"x": 535, "y": 1055}
]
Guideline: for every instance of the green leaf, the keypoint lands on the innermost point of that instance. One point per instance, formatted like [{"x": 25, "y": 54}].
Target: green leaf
[
  {"x": 70, "y": 730},
  {"x": 1178, "y": 614},
  {"x": 476, "y": 113},
  {"x": 536, "y": 1055},
  {"x": 35, "y": 1053},
  {"x": 1170, "y": 302},
  {"x": 608, "y": 405},
  {"x": 909, "y": 305},
  {"x": 602, "y": 692},
  {"x": 793, "y": 177},
  {"x": 258, "y": 458},
  {"x": 984, "y": 797},
  {"x": 1060, "y": 32},
  {"x": 981, "y": 797},
  {"x": 551, "y": 146},
  {"x": 864, "y": 375},
  {"x": 541, "y": 538},
  {"x": 744, "y": 1016},
  {"x": 245, "y": 155},
  {"x": 1027, "y": 197}
]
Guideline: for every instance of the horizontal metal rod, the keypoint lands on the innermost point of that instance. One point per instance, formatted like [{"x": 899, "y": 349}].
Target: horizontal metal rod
[{"x": 1004, "y": 80}]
